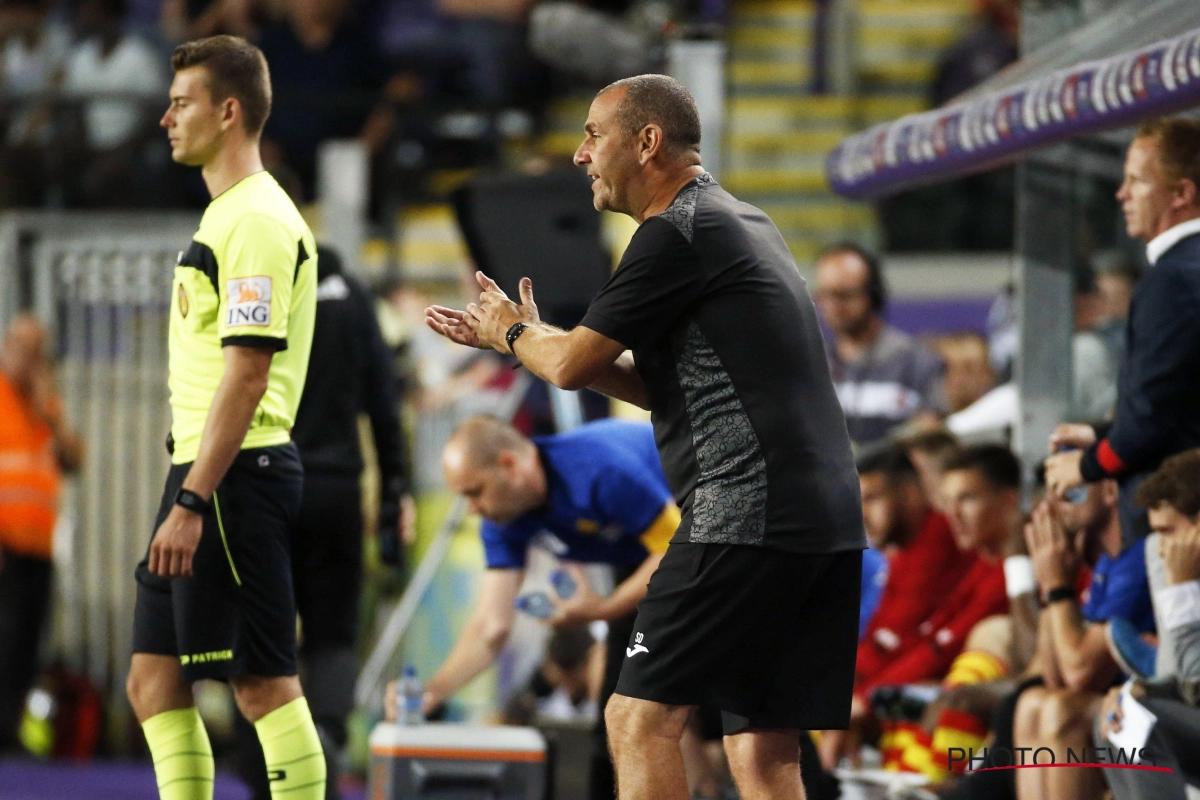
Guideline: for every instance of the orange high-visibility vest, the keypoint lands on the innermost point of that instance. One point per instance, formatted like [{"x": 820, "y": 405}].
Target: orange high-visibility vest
[{"x": 29, "y": 477}]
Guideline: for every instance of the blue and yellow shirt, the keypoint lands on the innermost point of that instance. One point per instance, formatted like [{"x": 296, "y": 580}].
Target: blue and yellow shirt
[
  {"x": 249, "y": 278},
  {"x": 608, "y": 500}
]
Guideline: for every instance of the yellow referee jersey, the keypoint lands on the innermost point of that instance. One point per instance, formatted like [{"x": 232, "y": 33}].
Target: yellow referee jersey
[{"x": 249, "y": 278}]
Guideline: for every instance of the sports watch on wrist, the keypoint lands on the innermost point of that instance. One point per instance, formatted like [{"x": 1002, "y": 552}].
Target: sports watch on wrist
[
  {"x": 513, "y": 334},
  {"x": 1060, "y": 593},
  {"x": 192, "y": 501}
]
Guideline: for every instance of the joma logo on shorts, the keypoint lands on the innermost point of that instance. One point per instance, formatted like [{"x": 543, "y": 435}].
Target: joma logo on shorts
[{"x": 204, "y": 658}]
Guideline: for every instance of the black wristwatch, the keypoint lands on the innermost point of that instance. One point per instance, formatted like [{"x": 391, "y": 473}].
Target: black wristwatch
[
  {"x": 192, "y": 501},
  {"x": 513, "y": 334},
  {"x": 1060, "y": 593}
]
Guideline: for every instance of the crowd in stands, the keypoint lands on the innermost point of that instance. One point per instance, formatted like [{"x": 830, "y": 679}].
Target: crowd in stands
[{"x": 83, "y": 84}]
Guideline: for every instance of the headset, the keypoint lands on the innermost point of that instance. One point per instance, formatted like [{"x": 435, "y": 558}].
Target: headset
[{"x": 877, "y": 293}]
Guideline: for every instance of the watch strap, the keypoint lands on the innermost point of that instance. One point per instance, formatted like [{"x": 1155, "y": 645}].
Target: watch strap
[
  {"x": 1060, "y": 593},
  {"x": 510, "y": 338},
  {"x": 192, "y": 501}
]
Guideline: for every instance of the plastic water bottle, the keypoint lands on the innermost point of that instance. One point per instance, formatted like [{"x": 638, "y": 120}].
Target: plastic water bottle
[
  {"x": 563, "y": 583},
  {"x": 410, "y": 694},
  {"x": 536, "y": 604}
]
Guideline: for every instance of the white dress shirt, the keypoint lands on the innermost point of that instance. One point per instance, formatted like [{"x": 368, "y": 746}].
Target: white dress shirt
[{"x": 1169, "y": 238}]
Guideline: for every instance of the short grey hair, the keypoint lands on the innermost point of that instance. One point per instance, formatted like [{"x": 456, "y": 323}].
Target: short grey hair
[{"x": 660, "y": 100}]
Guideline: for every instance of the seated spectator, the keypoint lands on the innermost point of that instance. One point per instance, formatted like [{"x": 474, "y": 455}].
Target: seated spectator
[
  {"x": 982, "y": 492},
  {"x": 903, "y": 525},
  {"x": 34, "y": 53},
  {"x": 979, "y": 409},
  {"x": 968, "y": 638},
  {"x": 1172, "y": 496},
  {"x": 883, "y": 376},
  {"x": 120, "y": 79},
  {"x": 929, "y": 450},
  {"x": 969, "y": 373},
  {"x": 922, "y": 551},
  {"x": 1073, "y": 656}
]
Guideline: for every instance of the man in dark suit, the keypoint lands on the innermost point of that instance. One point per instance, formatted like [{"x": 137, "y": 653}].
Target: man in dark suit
[{"x": 1158, "y": 392}]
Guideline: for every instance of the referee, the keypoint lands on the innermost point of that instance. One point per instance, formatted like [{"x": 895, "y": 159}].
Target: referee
[
  {"x": 214, "y": 595},
  {"x": 754, "y": 607}
]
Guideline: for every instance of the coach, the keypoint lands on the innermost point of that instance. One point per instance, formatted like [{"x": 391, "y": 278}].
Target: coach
[
  {"x": 1158, "y": 391},
  {"x": 754, "y": 607}
]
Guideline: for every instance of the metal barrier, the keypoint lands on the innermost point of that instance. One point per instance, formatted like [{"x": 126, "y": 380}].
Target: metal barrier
[{"x": 102, "y": 285}]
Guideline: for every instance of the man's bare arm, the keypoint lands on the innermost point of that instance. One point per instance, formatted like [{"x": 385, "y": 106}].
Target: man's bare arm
[
  {"x": 580, "y": 358},
  {"x": 238, "y": 394},
  {"x": 233, "y": 406},
  {"x": 1080, "y": 648},
  {"x": 622, "y": 381},
  {"x": 483, "y": 637},
  {"x": 567, "y": 359}
]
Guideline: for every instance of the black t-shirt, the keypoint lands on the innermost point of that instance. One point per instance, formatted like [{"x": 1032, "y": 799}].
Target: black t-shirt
[{"x": 725, "y": 336}]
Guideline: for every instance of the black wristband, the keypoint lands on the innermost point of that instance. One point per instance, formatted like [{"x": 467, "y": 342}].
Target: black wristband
[
  {"x": 513, "y": 334},
  {"x": 192, "y": 501},
  {"x": 1060, "y": 593}
]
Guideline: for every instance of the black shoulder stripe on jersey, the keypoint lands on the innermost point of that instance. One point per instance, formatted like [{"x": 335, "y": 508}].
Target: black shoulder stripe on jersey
[
  {"x": 200, "y": 256},
  {"x": 261, "y": 342},
  {"x": 301, "y": 257}
]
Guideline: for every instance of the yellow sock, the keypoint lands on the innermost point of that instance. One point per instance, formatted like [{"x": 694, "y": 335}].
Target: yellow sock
[
  {"x": 295, "y": 760},
  {"x": 974, "y": 666},
  {"x": 183, "y": 759}
]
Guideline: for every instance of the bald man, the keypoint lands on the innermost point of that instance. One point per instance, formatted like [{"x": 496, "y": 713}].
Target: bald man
[{"x": 596, "y": 494}]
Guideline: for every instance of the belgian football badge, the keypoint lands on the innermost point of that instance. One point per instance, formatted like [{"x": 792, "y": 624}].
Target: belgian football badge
[{"x": 183, "y": 301}]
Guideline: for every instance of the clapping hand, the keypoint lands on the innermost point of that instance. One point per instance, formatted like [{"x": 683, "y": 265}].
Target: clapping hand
[{"x": 485, "y": 324}]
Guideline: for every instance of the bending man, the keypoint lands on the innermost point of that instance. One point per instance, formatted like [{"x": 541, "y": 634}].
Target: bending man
[{"x": 600, "y": 493}]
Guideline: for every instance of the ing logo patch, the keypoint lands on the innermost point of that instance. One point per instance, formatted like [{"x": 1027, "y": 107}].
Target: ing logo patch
[{"x": 248, "y": 301}]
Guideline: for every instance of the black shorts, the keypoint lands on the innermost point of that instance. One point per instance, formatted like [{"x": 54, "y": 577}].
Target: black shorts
[
  {"x": 236, "y": 613},
  {"x": 768, "y": 637}
]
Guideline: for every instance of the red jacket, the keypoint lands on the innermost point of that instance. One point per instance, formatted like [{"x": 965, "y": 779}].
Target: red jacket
[
  {"x": 980, "y": 594},
  {"x": 918, "y": 578}
]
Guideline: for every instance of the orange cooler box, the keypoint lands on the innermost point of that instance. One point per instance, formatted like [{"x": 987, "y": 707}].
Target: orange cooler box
[{"x": 456, "y": 762}]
